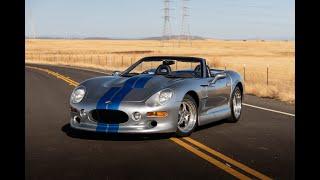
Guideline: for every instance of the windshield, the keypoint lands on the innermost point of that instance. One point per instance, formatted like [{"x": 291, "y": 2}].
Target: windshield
[{"x": 167, "y": 67}]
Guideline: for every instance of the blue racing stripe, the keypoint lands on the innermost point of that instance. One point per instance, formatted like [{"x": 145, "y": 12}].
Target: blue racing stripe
[
  {"x": 106, "y": 97},
  {"x": 142, "y": 81},
  {"x": 116, "y": 100},
  {"x": 116, "y": 95},
  {"x": 113, "y": 128},
  {"x": 101, "y": 127},
  {"x": 127, "y": 87}
]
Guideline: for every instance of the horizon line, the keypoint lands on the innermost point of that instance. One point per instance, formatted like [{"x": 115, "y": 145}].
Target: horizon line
[{"x": 193, "y": 37}]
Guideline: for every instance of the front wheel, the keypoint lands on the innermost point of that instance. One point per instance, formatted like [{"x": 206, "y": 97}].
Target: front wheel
[
  {"x": 236, "y": 105},
  {"x": 187, "y": 117}
]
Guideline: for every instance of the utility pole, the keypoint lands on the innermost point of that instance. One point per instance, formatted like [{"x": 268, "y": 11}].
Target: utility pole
[
  {"x": 185, "y": 27},
  {"x": 166, "y": 32},
  {"x": 33, "y": 31}
]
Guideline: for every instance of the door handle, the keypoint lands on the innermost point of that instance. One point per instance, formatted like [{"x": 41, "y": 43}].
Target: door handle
[
  {"x": 207, "y": 85},
  {"x": 204, "y": 85}
]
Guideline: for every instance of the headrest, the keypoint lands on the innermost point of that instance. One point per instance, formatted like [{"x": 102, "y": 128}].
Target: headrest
[{"x": 163, "y": 70}]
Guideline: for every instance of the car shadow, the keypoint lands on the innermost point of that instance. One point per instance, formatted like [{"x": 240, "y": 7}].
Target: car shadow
[
  {"x": 210, "y": 125},
  {"x": 75, "y": 133}
]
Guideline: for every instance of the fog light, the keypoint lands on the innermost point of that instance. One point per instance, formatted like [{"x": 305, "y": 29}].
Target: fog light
[
  {"x": 82, "y": 113},
  {"x": 136, "y": 116},
  {"x": 153, "y": 123},
  {"x": 77, "y": 119},
  {"x": 159, "y": 114}
]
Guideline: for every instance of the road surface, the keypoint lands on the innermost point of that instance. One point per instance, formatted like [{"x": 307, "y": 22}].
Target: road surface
[{"x": 260, "y": 146}]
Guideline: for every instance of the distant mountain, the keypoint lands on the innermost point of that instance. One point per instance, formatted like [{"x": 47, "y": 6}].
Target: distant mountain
[
  {"x": 108, "y": 38},
  {"x": 174, "y": 37},
  {"x": 45, "y": 37},
  {"x": 98, "y": 38}
]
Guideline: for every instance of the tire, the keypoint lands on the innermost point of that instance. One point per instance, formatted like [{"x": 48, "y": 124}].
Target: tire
[
  {"x": 188, "y": 110},
  {"x": 235, "y": 113}
]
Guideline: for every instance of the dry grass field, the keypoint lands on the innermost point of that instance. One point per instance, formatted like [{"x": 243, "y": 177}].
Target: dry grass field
[{"x": 251, "y": 58}]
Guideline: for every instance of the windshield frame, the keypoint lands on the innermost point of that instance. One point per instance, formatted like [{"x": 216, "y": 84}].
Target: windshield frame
[{"x": 176, "y": 58}]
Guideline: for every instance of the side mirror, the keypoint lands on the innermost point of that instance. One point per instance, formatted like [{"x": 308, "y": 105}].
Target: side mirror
[
  {"x": 217, "y": 77},
  {"x": 115, "y": 73}
]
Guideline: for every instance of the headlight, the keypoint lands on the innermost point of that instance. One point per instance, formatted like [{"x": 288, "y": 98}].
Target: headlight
[
  {"x": 160, "y": 98},
  {"x": 165, "y": 96},
  {"x": 78, "y": 94}
]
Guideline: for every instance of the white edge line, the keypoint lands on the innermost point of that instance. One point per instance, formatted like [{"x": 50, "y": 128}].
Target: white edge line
[
  {"x": 271, "y": 110},
  {"x": 253, "y": 106}
]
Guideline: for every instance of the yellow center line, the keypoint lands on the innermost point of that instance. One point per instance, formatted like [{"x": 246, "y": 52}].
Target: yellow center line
[
  {"x": 229, "y": 160},
  {"x": 59, "y": 76},
  {"x": 62, "y": 77},
  {"x": 210, "y": 159},
  {"x": 195, "y": 151}
]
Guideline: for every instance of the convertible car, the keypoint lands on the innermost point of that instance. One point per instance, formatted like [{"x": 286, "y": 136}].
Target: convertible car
[{"x": 158, "y": 94}]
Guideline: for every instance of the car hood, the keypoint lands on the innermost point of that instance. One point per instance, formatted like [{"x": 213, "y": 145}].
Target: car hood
[{"x": 136, "y": 88}]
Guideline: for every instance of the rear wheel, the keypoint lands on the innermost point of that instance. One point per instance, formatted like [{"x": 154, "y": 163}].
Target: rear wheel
[
  {"x": 236, "y": 105},
  {"x": 187, "y": 117}
]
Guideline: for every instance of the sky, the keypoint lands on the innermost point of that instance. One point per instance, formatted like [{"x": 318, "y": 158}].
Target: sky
[{"x": 219, "y": 19}]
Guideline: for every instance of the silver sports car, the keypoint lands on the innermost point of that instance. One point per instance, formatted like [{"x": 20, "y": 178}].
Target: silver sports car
[{"x": 159, "y": 94}]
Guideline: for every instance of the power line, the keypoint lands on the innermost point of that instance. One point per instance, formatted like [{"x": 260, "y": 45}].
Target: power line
[
  {"x": 32, "y": 33},
  {"x": 185, "y": 26},
  {"x": 166, "y": 32}
]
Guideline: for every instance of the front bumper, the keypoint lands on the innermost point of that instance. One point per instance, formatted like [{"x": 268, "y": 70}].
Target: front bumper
[{"x": 144, "y": 125}]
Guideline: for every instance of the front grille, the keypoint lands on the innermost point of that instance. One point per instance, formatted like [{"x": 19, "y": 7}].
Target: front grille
[{"x": 109, "y": 116}]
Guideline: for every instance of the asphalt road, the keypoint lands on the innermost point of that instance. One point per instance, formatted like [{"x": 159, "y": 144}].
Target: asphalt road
[{"x": 262, "y": 140}]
